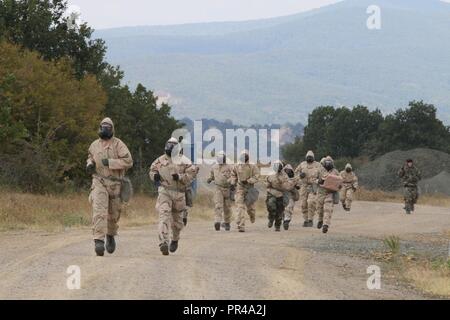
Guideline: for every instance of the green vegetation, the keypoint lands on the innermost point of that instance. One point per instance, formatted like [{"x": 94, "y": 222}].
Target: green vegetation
[
  {"x": 55, "y": 87},
  {"x": 359, "y": 133}
]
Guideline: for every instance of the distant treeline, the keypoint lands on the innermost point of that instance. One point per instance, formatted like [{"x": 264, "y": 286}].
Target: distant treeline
[
  {"x": 359, "y": 132},
  {"x": 55, "y": 87}
]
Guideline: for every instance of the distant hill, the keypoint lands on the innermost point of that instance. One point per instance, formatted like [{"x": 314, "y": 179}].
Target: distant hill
[{"x": 277, "y": 70}]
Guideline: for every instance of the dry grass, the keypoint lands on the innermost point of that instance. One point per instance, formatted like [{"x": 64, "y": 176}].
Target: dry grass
[
  {"x": 383, "y": 196},
  {"x": 430, "y": 277}
]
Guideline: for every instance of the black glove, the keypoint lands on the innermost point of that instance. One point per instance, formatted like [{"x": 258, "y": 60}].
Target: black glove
[
  {"x": 302, "y": 175},
  {"x": 233, "y": 188},
  {"x": 289, "y": 172},
  {"x": 90, "y": 168},
  {"x": 297, "y": 187},
  {"x": 244, "y": 182},
  {"x": 157, "y": 177},
  {"x": 176, "y": 177},
  {"x": 185, "y": 221},
  {"x": 321, "y": 181},
  {"x": 105, "y": 162}
]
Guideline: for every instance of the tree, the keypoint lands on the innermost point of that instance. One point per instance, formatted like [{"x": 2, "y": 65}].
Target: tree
[{"x": 59, "y": 115}]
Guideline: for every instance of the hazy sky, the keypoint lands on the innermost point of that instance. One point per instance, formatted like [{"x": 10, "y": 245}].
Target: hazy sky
[{"x": 117, "y": 13}]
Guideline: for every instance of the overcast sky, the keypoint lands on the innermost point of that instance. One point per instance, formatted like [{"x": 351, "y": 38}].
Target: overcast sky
[{"x": 102, "y": 14}]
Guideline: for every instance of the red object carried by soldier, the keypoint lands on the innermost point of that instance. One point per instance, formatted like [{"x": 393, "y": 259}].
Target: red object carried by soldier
[{"x": 332, "y": 182}]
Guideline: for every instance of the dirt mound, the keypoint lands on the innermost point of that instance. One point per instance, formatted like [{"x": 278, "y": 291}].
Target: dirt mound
[
  {"x": 439, "y": 184},
  {"x": 382, "y": 172}
]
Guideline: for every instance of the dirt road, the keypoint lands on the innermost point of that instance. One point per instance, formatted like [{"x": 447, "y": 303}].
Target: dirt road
[{"x": 259, "y": 264}]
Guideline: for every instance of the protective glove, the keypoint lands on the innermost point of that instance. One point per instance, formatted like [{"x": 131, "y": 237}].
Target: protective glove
[
  {"x": 244, "y": 183},
  {"x": 185, "y": 221},
  {"x": 321, "y": 181},
  {"x": 157, "y": 177},
  {"x": 90, "y": 168},
  {"x": 209, "y": 181},
  {"x": 175, "y": 177},
  {"x": 289, "y": 172},
  {"x": 232, "y": 188},
  {"x": 105, "y": 162},
  {"x": 297, "y": 187},
  {"x": 302, "y": 175}
]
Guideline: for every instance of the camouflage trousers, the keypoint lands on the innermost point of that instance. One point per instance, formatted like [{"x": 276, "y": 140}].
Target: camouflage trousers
[
  {"x": 411, "y": 195},
  {"x": 170, "y": 206},
  {"x": 275, "y": 208},
  {"x": 324, "y": 206},
  {"x": 347, "y": 196},
  {"x": 289, "y": 209},
  {"x": 308, "y": 202},
  {"x": 106, "y": 207},
  {"x": 242, "y": 208},
  {"x": 222, "y": 205}
]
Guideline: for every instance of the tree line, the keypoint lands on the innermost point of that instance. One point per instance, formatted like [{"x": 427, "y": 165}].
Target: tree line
[
  {"x": 55, "y": 87},
  {"x": 346, "y": 133}
]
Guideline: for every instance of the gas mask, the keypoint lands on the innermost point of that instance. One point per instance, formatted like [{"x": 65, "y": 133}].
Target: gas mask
[
  {"x": 277, "y": 167},
  {"x": 328, "y": 165},
  {"x": 348, "y": 170},
  {"x": 105, "y": 131},
  {"x": 244, "y": 158},
  {"x": 171, "y": 149},
  {"x": 310, "y": 159}
]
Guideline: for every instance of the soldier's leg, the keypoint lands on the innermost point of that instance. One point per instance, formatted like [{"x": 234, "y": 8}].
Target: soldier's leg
[
  {"x": 312, "y": 200},
  {"x": 408, "y": 200},
  {"x": 251, "y": 210},
  {"x": 349, "y": 198},
  {"x": 304, "y": 202},
  {"x": 342, "y": 196},
  {"x": 271, "y": 205},
  {"x": 115, "y": 210},
  {"x": 218, "y": 206},
  {"x": 99, "y": 199},
  {"x": 179, "y": 205},
  {"x": 320, "y": 200},
  {"x": 164, "y": 209},
  {"x": 227, "y": 213},
  {"x": 289, "y": 210},
  {"x": 328, "y": 209},
  {"x": 279, "y": 213},
  {"x": 240, "y": 208}
]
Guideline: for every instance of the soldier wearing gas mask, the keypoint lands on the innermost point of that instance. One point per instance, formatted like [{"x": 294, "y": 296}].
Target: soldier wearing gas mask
[{"x": 108, "y": 160}]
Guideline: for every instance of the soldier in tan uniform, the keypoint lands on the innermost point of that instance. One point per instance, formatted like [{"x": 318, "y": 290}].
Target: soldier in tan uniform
[
  {"x": 349, "y": 186},
  {"x": 244, "y": 176},
  {"x": 174, "y": 172},
  {"x": 308, "y": 171},
  {"x": 221, "y": 175},
  {"x": 108, "y": 160},
  {"x": 325, "y": 198},
  {"x": 277, "y": 185},
  {"x": 292, "y": 195}
]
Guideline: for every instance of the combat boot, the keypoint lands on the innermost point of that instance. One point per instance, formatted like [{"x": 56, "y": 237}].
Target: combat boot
[
  {"x": 344, "y": 206},
  {"x": 305, "y": 223},
  {"x": 217, "y": 226},
  {"x": 277, "y": 228},
  {"x": 252, "y": 218},
  {"x": 164, "y": 249},
  {"x": 270, "y": 224},
  {"x": 310, "y": 224},
  {"x": 325, "y": 229},
  {"x": 227, "y": 226},
  {"x": 286, "y": 224},
  {"x": 241, "y": 229},
  {"x": 319, "y": 225},
  {"x": 173, "y": 246},
  {"x": 110, "y": 244},
  {"x": 99, "y": 247}
]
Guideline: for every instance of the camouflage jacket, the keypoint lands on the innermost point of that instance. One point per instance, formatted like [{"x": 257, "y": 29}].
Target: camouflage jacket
[{"x": 410, "y": 176}]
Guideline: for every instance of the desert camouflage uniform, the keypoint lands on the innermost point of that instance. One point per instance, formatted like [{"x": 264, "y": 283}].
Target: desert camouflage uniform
[
  {"x": 171, "y": 200},
  {"x": 349, "y": 186},
  {"x": 106, "y": 184},
  {"x": 221, "y": 175},
  {"x": 325, "y": 201},
  {"x": 308, "y": 187},
  {"x": 410, "y": 177},
  {"x": 278, "y": 185},
  {"x": 189, "y": 196},
  {"x": 244, "y": 176},
  {"x": 292, "y": 196}
]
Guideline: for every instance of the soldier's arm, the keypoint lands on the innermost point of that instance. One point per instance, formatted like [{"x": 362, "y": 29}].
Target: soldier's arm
[
  {"x": 211, "y": 176},
  {"x": 233, "y": 178},
  {"x": 401, "y": 172},
  {"x": 355, "y": 182},
  {"x": 189, "y": 174},
  {"x": 90, "y": 159},
  {"x": 419, "y": 175},
  {"x": 154, "y": 168},
  {"x": 255, "y": 175},
  {"x": 124, "y": 160}
]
